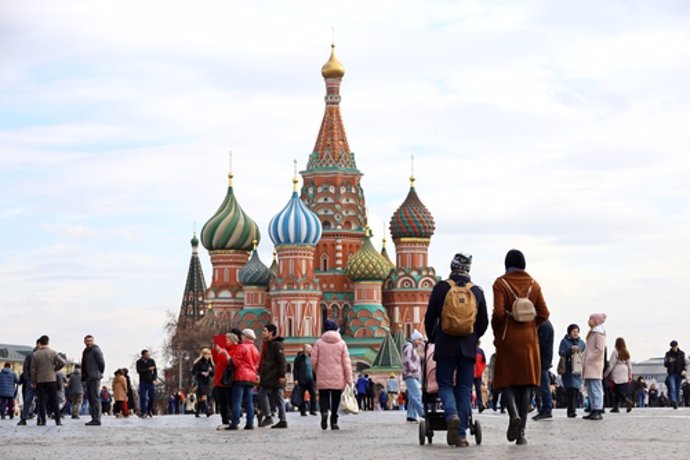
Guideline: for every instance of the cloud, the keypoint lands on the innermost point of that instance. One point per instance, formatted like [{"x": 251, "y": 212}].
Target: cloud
[{"x": 557, "y": 129}]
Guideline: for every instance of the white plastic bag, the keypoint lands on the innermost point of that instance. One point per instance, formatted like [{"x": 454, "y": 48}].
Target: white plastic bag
[{"x": 348, "y": 401}]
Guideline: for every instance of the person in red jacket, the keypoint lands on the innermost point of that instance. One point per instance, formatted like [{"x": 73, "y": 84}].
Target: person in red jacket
[
  {"x": 221, "y": 355},
  {"x": 479, "y": 366},
  {"x": 245, "y": 358}
]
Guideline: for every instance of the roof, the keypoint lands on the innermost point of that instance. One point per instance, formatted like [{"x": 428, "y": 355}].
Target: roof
[
  {"x": 15, "y": 353},
  {"x": 388, "y": 355}
]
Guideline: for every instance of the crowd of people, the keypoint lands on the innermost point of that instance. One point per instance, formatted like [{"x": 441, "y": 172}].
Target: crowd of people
[{"x": 246, "y": 387}]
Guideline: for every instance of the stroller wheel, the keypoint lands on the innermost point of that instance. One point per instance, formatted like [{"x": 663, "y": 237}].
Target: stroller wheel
[
  {"x": 477, "y": 432},
  {"x": 422, "y": 432}
]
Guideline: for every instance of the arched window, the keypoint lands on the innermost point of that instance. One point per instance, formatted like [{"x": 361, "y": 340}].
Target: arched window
[{"x": 335, "y": 310}]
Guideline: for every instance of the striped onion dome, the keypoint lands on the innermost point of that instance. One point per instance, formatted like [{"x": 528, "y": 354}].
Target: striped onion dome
[
  {"x": 412, "y": 219},
  {"x": 367, "y": 264},
  {"x": 254, "y": 273},
  {"x": 230, "y": 227},
  {"x": 295, "y": 223}
]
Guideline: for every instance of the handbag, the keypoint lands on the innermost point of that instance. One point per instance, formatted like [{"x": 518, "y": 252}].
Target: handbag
[
  {"x": 228, "y": 374},
  {"x": 576, "y": 362},
  {"x": 562, "y": 365},
  {"x": 348, "y": 401}
]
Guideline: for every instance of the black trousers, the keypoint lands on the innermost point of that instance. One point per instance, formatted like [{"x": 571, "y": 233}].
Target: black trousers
[
  {"x": 47, "y": 390},
  {"x": 571, "y": 396},
  {"x": 223, "y": 397},
  {"x": 330, "y": 400},
  {"x": 310, "y": 387}
]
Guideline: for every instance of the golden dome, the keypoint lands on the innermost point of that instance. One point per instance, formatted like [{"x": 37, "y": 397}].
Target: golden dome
[{"x": 333, "y": 68}]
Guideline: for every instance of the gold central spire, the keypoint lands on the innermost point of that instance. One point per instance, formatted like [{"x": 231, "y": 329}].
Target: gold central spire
[{"x": 333, "y": 68}]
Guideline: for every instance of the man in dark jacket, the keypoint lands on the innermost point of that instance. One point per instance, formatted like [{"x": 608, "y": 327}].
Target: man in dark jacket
[
  {"x": 674, "y": 361},
  {"x": 146, "y": 368},
  {"x": 272, "y": 377},
  {"x": 455, "y": 353},
  {"x": 304, "y": 377},
  {"x": 92, "y": 368},
  {"x": 545, "y": 336}
]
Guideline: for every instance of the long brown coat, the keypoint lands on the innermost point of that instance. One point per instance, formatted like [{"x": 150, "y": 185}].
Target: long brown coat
[
  {"x": 517, "y": 356},
  {"x": 120, "y": 388}
]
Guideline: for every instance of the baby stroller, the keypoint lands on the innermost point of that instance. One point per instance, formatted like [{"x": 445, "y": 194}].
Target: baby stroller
[{"x": 434, "y": 420}]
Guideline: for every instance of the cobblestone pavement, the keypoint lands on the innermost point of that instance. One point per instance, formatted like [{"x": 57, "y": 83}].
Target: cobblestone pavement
[{"x": 644, "y": 433}]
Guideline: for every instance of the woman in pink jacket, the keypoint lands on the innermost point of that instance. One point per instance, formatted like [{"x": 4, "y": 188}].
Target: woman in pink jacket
[{"x": 330, "y": 359}]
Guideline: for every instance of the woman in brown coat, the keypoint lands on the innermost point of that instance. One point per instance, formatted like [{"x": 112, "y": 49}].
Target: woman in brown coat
[
  {"x": 518, "y": 364},
  {"x": 120, "y": 394}
]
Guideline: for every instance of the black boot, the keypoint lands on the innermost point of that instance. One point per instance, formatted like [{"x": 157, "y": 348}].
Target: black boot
[
  {"x": 508, "y": 401},
  {"x": 524, "y": 396},
  {"x": 334, "y": 422},
  {"x": 324, "y": 420}
]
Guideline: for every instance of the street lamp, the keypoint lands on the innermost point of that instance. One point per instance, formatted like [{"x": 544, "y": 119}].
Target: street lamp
[{"x": 181, "y": 355}]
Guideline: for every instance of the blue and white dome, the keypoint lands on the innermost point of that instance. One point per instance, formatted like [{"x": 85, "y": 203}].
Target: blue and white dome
[{"x": 295, "y": 224}]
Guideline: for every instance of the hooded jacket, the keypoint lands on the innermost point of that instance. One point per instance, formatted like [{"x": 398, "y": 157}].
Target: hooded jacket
[
  {"x": 8, "y": 383},
  {"x": 330, "y": 359},
  {"x": 245, "y": 358}
]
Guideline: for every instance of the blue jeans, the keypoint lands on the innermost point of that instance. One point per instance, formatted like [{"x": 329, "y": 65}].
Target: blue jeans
[
  {"x": 29, "y": 396},
  {"x": 414, "y": 398},
  {"x": 243, "y": 392},
  {"x": 147, "y": 398},
  {"x": 456, "y": 399},
  {"x": 595, "y": 392},
  {"x": 545, "y": 393},
  {"x": 640, "y": 398},
  {"x": 674, "y": 387}
]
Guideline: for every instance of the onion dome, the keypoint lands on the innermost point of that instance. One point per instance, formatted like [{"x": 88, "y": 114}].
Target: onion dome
[
  {"x": 367, "y": 264},
  {"x": 412, "y": 219},
  {"x": 295, "y": 223},
  {"x": 194, "y": 241},
  {"x": 333, "y": 68},
  {"x": 210, "y": 325},
  {"x": 230, "y": 227},
  {"x": 254, "y": 273}
]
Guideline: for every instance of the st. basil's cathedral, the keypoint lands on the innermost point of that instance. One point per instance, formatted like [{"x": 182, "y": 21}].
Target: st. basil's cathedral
[{"x": 324, "y": 266}]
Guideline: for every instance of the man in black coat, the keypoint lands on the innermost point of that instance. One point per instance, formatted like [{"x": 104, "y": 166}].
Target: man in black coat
[
  {"x": 306, "y": 380},
  {"x": 272, "y": 371},
  {"x": 148, "y": 373},
  {"x": 545, "y": 336},
  {"x": 674, "y": 361},
  {"x": 92, "y": 368},
  {"x": 455, "y": 353}
]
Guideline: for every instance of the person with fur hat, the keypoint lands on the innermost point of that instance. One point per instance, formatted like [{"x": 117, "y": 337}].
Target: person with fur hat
[
  {"x": 455, "y": 353},
  {"x": 570, "y": 346},
  {"x": 330, "y": 358},
  {"x": 593, "y": 365},
  {"x": 245, "y": 358},
  {"x": 674, "y": 361},
  {"x": 518, "y": 360},
  {"x": 412, "y": 375}
]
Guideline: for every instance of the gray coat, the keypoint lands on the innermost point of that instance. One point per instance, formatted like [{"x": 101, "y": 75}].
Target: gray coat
[
  {"x": 44, "y": 364},
  {"x": 92, "y": 363}
]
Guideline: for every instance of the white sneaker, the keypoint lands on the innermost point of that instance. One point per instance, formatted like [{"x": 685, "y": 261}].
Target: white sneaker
[{"x": 221, "y": 427}]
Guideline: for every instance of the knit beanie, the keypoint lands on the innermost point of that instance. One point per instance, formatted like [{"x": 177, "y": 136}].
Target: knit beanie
[
  {"x": 330, "y": 325},
  {"x": 573, "y": 326},
  {"x": 515, "y": 259},
  {"x": 461, "y": 262},
  {"x": 597, "y": 318}
]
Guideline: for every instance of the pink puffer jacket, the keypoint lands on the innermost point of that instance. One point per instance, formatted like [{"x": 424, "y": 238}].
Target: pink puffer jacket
[{"x": 330, "y": 359}]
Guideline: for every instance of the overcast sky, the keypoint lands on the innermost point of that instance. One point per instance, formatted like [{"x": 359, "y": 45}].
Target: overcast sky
[{"x": 559, "y": 128}]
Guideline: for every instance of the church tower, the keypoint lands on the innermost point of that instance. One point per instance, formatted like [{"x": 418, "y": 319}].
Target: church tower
[
  {"x": 294, "y": 290},
  {"x": 331, "y": 188},
  {"x": 193, "y": 298},
  {"x": 407, "y": 288},
  {"x": 229, "y": 237}
]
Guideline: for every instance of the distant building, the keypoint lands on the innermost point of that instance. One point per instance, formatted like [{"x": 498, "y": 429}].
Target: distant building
[{"x": 15, "y": 355}]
